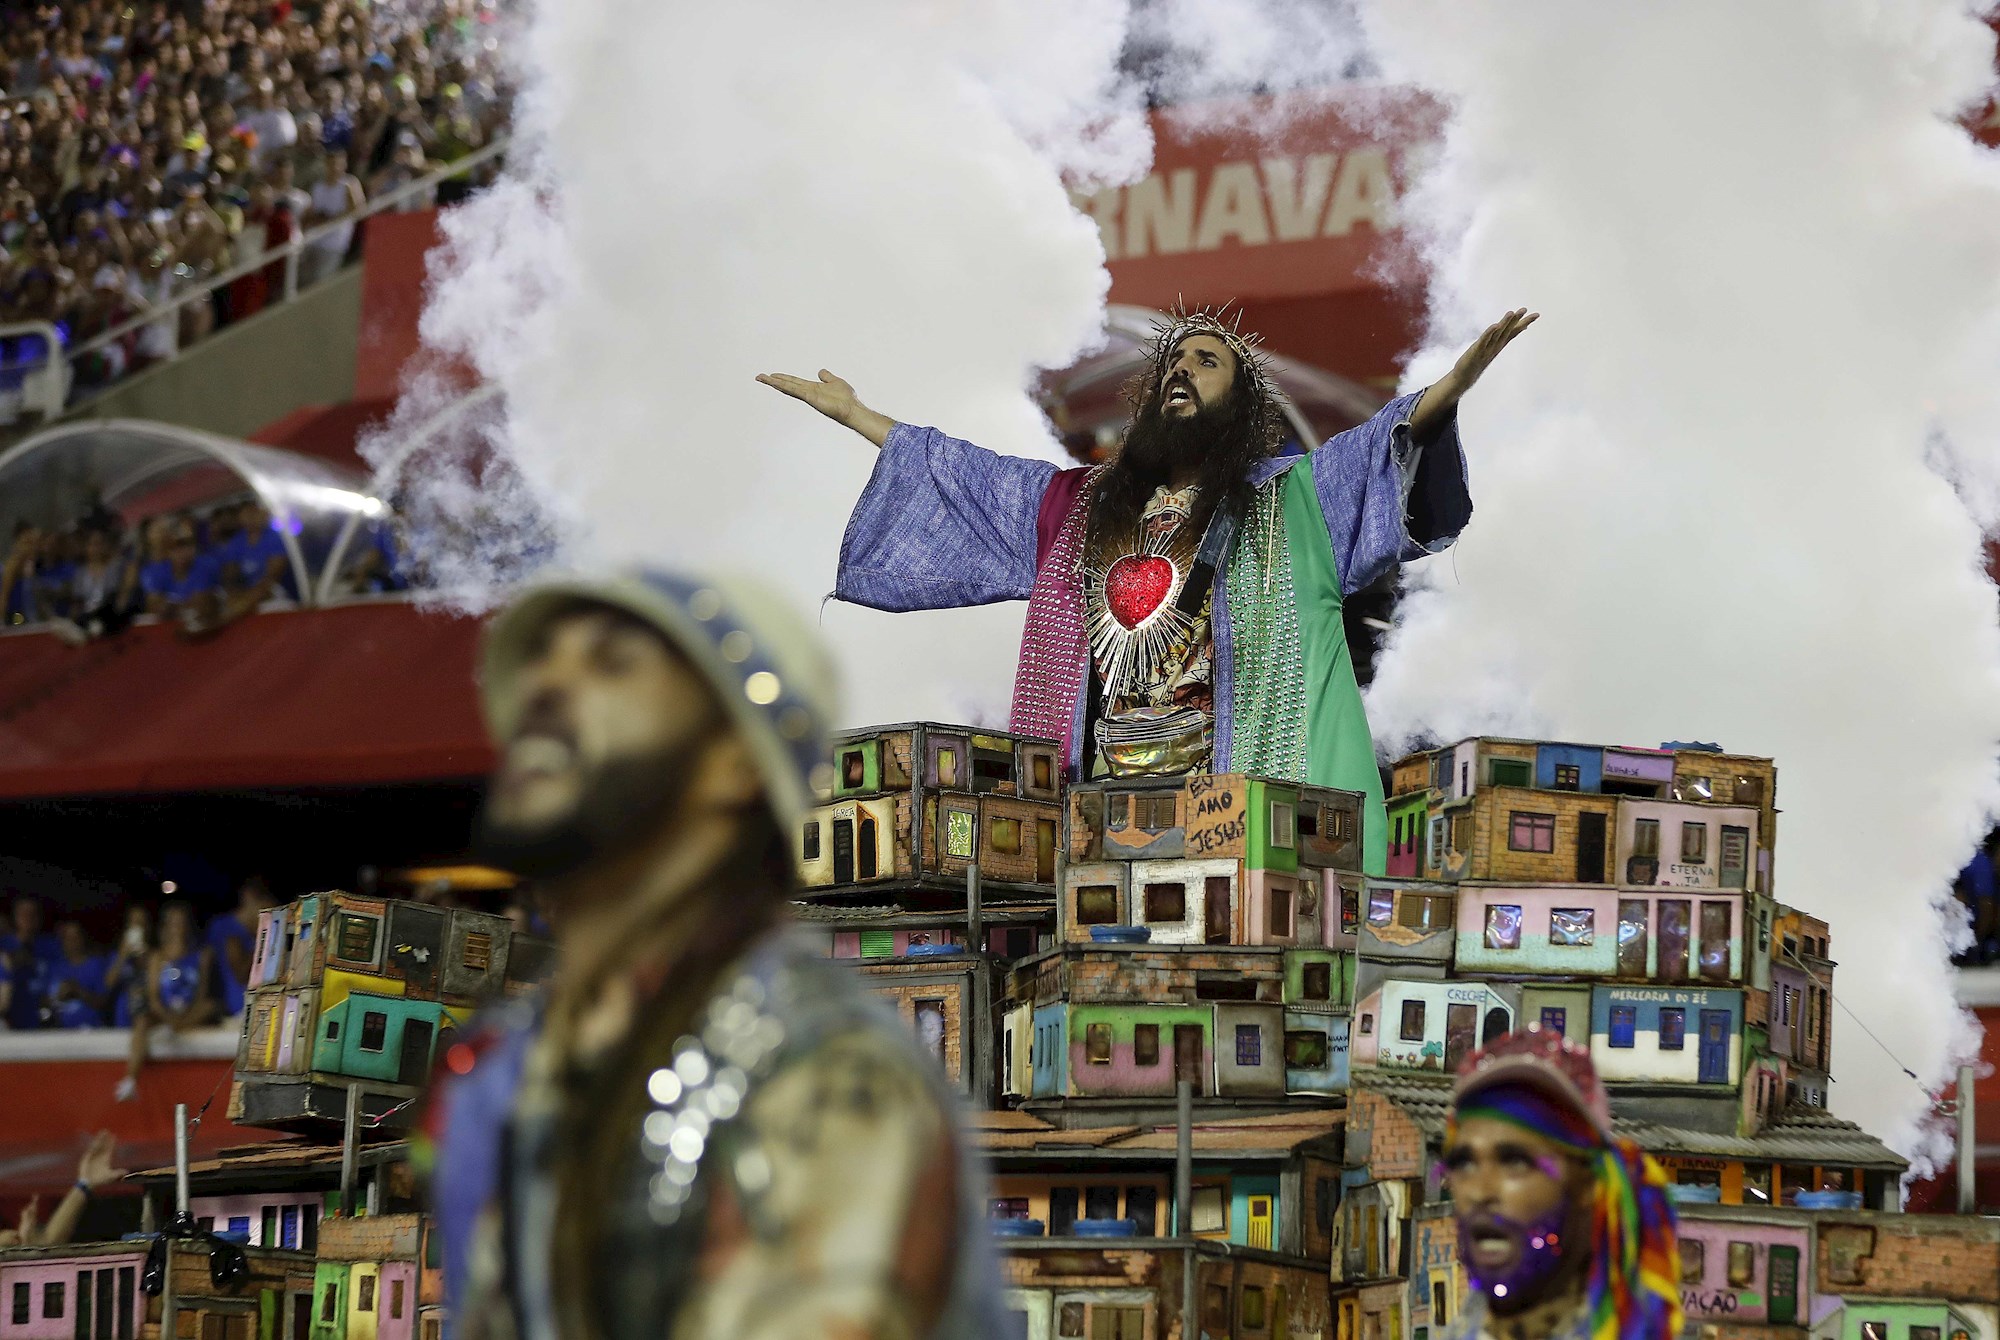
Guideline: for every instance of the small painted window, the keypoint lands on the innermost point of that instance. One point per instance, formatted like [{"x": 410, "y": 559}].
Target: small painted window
[
  {"x": 1426, "y": 911},
  {"x": 1381, "y": 904},
  {"x": 811, "y": 843},
  {"x": 1305, "y": 1049},
  {"x": 1166, "y": 902},
  {"x": 1252, "y": 1311},
  {"x": 959, "y": 840},
  {"x": 1646, "y": 837},
  {"x": 1145, "y": 1044},
  {"x": 364, "y": 1293},
  {"x": 1096, "y": 904},
  {"x": 1284, "y": 833},
  {"x": 1531, "y": 832},
  {"x": 1337, "y": 823},
  {"x": 52, "y": 1299},
  {"x": 355, "y": 937},
  {"x": 1367, "y": 1025},
  {"x": 1694, "y": 843},
  {"x": 1874, "y": 1330},
  {"x": 328, "y": 1302},
  {"x": 1735, "y": 857},
  {"x": 374, "y": 1030},
  {"x": 1503, "y": 926},
  {"x": 1632, "y": 922},
  {"x": 1070, "y": 1320},
  {"x": 1413, "y": 1021},
  {"x": 1004, "y": 836},
  {"x": 1573, "y": 926},
  {"x": 947, "y": 767},
  {"x": 1461, "y": 832},
  {"x": 1624, "y": 1025},
  {"x": 1713, "y": 947},
  {"x": 1249, "y": 1045},
  {"x": 1673, "y": 1028},
  {"x": 1211, "y": 1213},
  {"x": 1316, "y": 981},
  {"x": 1555, "y": 1018},
  {"x": 395, "y": 1300},
  {"x": 1121, "y": 810},
  {"x": 1743, "y": 1265},
  {"x": 478, "y": 956},
  {"x": 1042, "y": 768},
  {"x": 1280, "y": 899},
  {"x": 853, "y": 769},
  {"x": 1691, "y": 1260},
  {"x": 1569, "y": 777},
  {"x": 1097, "y": 1044},
  {"x": 1007, "y": 1207},
  {"x": 1930, "y": 1333}
]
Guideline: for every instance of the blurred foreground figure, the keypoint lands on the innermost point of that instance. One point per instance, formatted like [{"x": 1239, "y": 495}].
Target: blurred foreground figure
[
  {"x": 1565, "y": 1229},
  {"x": 704, "y": 1127}
]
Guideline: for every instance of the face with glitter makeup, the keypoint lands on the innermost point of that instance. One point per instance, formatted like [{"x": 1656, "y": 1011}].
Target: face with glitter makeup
[{"x": 1523, "y": 1206}]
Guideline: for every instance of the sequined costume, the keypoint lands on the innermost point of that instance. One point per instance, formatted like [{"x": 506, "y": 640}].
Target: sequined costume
[
  {"x": 788, "y": 1059},
  {"x": 944, "y": 524}
]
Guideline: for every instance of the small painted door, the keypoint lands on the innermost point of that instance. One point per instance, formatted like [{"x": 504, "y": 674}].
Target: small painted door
[
  {"x": 1349, "y": 1324},
  {"x": 1460, "y": 1021},
  {"x": 843, "y": 851},
  {"x": 301, "y": 1315},
  {"x": 1215, "y": 910},
  {"x": 1045, "y": 850},
  {"x": 1187, "y": 1055},
  {"x": 362, "y": 1303},
  {"x": 867, "y": 861},
  {"x": 1498, "y": 1024},
  {"x": 1783, "y": 1287},
  {"x": 414, "y": 1065},
  {"x": 1257, "y": 1233},
  {"x": 1590, "y": 848},
  {"x": 1714, "y": 1047}
]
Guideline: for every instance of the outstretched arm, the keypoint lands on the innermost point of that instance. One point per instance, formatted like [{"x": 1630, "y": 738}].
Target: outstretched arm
[
  {"x": 835, "y": 398},
  {"x": 1435, "y": 407}
]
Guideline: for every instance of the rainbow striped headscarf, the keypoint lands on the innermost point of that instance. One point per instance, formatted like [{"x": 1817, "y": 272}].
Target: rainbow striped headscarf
[{"x": 1634, "y": 1287}]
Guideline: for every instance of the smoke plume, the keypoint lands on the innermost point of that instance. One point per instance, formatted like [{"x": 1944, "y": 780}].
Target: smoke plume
[{"x": 1709, "y": 487}]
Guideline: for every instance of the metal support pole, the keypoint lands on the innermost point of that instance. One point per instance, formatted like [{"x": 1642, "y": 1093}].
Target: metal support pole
[
  {"x": 1184, "y": 1203},
  {"x": 180, "y": 1158},
  {"x": 972, "y": 909},
  {"x": 292, "y": 274},
  {"x": 1966, "y": 1132},
  {"x": 350, "y": 1149}
]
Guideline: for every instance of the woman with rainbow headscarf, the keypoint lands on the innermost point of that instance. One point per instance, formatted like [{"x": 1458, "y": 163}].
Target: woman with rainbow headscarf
[{"x": 1564, "y": 1228}]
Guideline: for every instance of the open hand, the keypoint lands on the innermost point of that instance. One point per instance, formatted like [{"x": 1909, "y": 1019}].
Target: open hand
[
  {"x": 830, "y": 395},
  {"x": 96, "y": 1167},
  {"x": 833, "y": 397},
  {"x": 1444, "y": 394}
]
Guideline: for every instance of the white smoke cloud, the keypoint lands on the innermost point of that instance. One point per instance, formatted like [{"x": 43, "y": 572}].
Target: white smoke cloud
[{"x": 1768, "y": 272}]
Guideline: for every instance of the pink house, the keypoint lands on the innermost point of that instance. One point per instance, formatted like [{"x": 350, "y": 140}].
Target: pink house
[
  {"x": 55, "y": 1297},
  {"x": 1737, "y": 1268}
]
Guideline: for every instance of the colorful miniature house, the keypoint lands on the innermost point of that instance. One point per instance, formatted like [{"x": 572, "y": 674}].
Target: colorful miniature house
[
  {"x": 922, "y": 802},
  {"x": 350, "y": 990}
]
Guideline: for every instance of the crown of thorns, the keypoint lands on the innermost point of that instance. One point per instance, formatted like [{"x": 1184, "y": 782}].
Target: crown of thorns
[{"x": 1222, "y": 324}]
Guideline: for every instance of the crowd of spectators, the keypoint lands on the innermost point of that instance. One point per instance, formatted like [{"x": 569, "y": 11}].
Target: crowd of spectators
[
  {"x": 205, "y": 570},
  {"x": 147, "y": 147}
]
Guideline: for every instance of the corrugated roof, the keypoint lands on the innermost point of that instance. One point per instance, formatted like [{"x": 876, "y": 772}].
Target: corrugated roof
[
  {"x": 1274, "y": 1135},
  {"x": 278, "y": 1156},
  {"x": 1799, "y": 1135}
]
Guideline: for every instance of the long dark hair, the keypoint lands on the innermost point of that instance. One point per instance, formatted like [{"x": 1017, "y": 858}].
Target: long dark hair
[{"x": 1225, "y": 441}]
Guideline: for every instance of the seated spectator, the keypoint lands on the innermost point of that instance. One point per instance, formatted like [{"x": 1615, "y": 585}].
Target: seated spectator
[
  {"x": 185, "y": 584},
  {"x": 125, "y": 978},
  {"x": 19, "y": 589},
  {"x": 232, "y": 940},
  {"x": 106, "y": 585},
  {"x": 178, "y": 995},
  {"x": 27, "y": 951},
  {"x": 73, "y": 993},
  {"x": 253, "y": 560}
]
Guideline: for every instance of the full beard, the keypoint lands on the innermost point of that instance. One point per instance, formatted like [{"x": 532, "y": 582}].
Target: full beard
[
  {"x": 619, "y": 802},
  {"x": 1159, "y": 450}
]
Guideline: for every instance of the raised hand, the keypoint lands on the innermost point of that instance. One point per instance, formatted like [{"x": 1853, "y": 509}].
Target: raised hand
[
  {"x": 1445, "y": 393},
  {"x": 96, "y": 1167},
  {"x": 835, "y": 398}
]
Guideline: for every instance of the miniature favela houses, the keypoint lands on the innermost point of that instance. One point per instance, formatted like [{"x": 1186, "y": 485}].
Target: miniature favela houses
[{"x": 1069, "y": 953}]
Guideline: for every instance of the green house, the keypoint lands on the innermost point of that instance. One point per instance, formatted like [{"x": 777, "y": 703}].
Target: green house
[{"x": 1319, "y": 979}]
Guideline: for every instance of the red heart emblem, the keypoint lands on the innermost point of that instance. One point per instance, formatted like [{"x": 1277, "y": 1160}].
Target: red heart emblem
[{"x": 1135, "y": 587}]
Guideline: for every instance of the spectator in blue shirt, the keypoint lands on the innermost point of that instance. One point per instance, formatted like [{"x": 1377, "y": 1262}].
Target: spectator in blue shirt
[
  {"x": 73, "y": 993},
  {"x": 178, "y": 994},
  {"x": 232, "y": 940},
  {"x": 125, "y": 977},
  {"x": 185, "y": 585},
  {"x": 27, "y": 951},
  {"x": 254, "y": 562}
]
